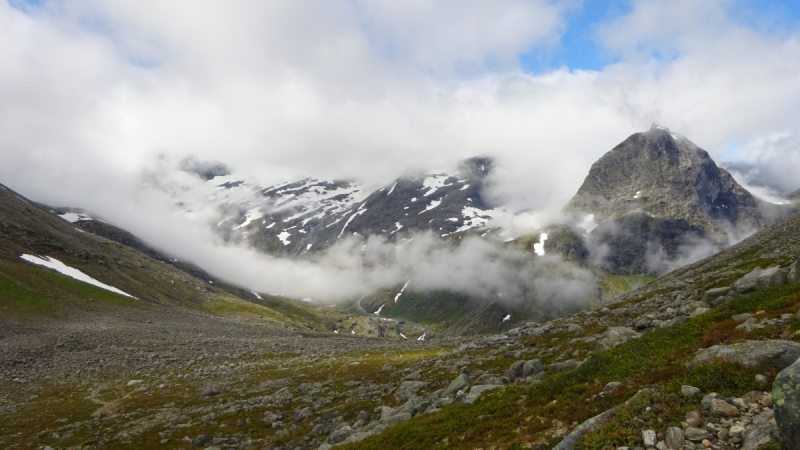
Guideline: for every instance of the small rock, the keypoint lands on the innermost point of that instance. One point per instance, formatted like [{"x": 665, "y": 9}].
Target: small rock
[
  {"x": 721, "y": 408},
  {"x": 761, "y": 378},
  {"x": 694, "y": 419},
  {"x": 612, "y": 385},
  {"x": 698, "y": 311},
  {"x": 134, "y": 382},
  {"x": 689, "y": 391},
  {"x": 387, "y": 367},
  {"x": 735, "y": 432},
  {"x": 706, "y": 402},
  {"x": 696, "y": 434},
  {"x": 649, "y": 437},
  {"x": 210, "y": 392}
]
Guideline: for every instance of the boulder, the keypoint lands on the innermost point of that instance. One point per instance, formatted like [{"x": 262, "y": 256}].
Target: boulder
[
  {"x": 761, "y": 432},
  {"x": 340, "y": 435},
  {"x": 532, "y": 367},
  {"x": 613, "y": 385},
  {"x": 515, "y": 370},
  {"x": 694, "y": 419},
  {"x": 569, "y": 442},
  {"x": 564, "y": 366},
  {"x": 408, "y": 389},
  {"x": 461, "y": 382},
  {"x": 760, "y": 354},
  {"x": 712, "y": 294},
  {"x": 649, "y": 438},
  {"x": 489, "y": 378},
  {"x": 615, "y": 336},
  {"x": 759, "y": 279},
  {"x": 476, "y": 391},
  {"x": 721, "y": 408},
  {"x": 674, "y": 438},
  {"x": 689, "y": 391},
  {"x": 696, "y": 434},
  {"x": 794, "y": 271},
  {"x": 786, "y": 402}
]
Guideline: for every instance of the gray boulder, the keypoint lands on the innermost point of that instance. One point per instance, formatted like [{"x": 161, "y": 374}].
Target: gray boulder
[
  {"x": 721, "y": 408},
  {"x": 759, "y": 279},
  {"x": 713, "y": 294},
  {"x": 762, "y": 432},
  {"x": 408, "y": 389},
  {"x": 615, "y": 336},
  {"x": 569, "y": 442},
  {"x": 476, "y": 391},
  {"x": 461, "y": 382},
  {"x": 532, "y": 367},
  {"x": 340, "y": 435},
  {"x": 489, "y": 378},
  {"x": 564, "y": 366},
  {"x": 674, "y": 438},
  {"x": 516, "y": 370},
  {"x": 696, "y": 434},
  {"x": 786, "y": 401},
  {"x": 761, "y": 354},
  {"x": 794, "y": 271}
]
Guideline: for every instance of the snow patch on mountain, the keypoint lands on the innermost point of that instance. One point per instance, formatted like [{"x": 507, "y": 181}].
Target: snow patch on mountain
[
  {"x": 74, "y": 217},
  {"x": 538, "y": 248},
  {"x": 71, "y": 272}
]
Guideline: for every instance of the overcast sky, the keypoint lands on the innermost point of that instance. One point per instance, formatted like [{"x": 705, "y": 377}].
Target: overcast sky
[{"x": 94, "y": 92}]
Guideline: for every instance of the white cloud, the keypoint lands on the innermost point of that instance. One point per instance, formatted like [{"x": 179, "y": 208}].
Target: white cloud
[{"x": 93, "y": 91}]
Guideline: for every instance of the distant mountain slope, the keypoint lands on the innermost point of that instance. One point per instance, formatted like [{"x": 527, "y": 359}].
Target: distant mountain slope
[
  {"x": 26, "y": 228},
  {"x": 654, "y": 197},
  {"x": 34, "y": 240},
  {"x": 308, "y": 215}
]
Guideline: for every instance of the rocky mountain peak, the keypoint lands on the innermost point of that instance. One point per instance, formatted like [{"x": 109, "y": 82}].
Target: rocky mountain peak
[{"x": 662, "y": 189}]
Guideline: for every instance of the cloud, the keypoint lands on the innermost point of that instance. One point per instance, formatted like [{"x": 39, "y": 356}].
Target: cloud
[{"x": 94, "y": 92}]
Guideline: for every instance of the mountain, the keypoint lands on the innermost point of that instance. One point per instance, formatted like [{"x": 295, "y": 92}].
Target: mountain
[
  {"x": 655, "y": 198},
  {"x": 295, "y": 218},
  {"x": 58, "y": 263},
  {"x": 794, "y": 195},
  {"x": 685, "y": 358}
]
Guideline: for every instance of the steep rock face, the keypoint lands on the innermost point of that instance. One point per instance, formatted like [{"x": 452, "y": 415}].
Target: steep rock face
[{"x": 657, "y": 192}]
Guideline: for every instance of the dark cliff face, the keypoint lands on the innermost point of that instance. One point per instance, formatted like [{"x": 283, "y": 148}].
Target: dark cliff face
[{"x": 658, "y": 193}]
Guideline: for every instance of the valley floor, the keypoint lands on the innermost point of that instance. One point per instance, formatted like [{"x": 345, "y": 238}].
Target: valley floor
[{"x": 128, "y": 378}]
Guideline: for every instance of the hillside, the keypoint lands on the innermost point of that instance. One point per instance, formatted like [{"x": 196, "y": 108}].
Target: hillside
[
  {"x": 136, "y": 278},
  {"x": 145, "y": 380}
]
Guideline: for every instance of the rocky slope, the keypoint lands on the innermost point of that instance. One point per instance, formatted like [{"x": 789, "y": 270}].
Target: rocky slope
[
  {"x": 656, "y": 197},
  {"x": 687, "y": 361}
]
